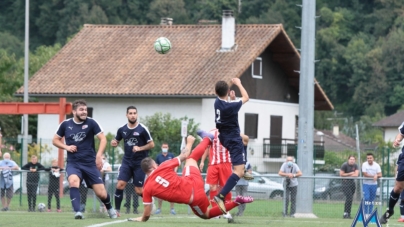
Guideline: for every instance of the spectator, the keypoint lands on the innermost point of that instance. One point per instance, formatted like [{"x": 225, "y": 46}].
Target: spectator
[
  {"x": 32, "y": 181},
  {"x": 349, "y": 169},
  {"x": 53, "y": 188},
  {"x": 372, "y": 171},
  {"x": 242, "y": 188},
  {"x": 6, "y": 180},
  {"x": 162, "y": 157},
  {"x": 291, "y": 171},
  {"x": 129, "y": 192},
  {"x": 1, "y": 144}
]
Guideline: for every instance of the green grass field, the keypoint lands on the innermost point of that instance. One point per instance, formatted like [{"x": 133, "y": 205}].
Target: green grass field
[{"x": 259, "y": 213}]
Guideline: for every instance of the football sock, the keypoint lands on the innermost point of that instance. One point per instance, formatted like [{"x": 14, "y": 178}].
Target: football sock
[
  {"x": 199, "y": 150},
  {"x": 393, "y": 199},
  {"x": 118, "y": 198},
  {"x": 215, "y": 211},
  {"x": 107, "y": 202},
  {"x": 231, "y": 182},
  {"x": 402, "y": 208},
  {"x": 75, "y": 198},
  {"x": 211, "y": 195}
]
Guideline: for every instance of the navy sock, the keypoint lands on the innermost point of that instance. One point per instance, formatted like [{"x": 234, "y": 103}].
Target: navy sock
[
  {"x": 75, "y": 199},
  {"x": 107, "y": 202},
  {"x": 118, "y": 198},
  {"x": 393, "y": 199},
  {"x": 231, "y": 182},
  {"x": 402, "y": 207}
]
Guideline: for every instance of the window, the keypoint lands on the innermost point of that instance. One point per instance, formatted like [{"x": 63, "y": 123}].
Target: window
[
  {"x": 89, "y": 113},
  {"x": 251, "y": 125},
  {"x": 256, "y": 68}
]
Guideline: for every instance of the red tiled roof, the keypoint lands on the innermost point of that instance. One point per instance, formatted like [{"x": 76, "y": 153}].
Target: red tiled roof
[
  {"x": 394, "y": 120},
  {"x": 119, "y": 60}
]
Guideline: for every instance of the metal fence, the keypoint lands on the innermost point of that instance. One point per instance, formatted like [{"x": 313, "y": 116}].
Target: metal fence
[{"x": 328, "y": 198}]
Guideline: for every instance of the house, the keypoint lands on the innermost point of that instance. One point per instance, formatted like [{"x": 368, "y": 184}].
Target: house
[
  {"x": 390, "y": 126},
  {"x": 114, "y": 66}
]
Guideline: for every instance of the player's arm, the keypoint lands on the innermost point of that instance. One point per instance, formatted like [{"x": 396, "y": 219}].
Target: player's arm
[
  {"x": 244, "y": 94},
  {"x": 187, "y": 150},
  {"x": 101, "y": 149},
  {"x": 202, "y": 163},
  {"x": 148, "y": 146}
]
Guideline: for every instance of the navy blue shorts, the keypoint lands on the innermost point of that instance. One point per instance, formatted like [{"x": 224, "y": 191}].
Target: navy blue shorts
[
  {"x": 90, "y": 174},
  {"x": 126, "y": 172},
  {"x": 400, "y": 170},
  {"x": 235, "y": 147}
]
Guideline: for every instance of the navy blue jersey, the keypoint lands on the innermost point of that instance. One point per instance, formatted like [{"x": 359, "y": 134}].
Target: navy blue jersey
[
  {"x": 401, "y": 130},
  {"x": 226, "y": 116},
  {"x": 161, "y": 158},
  {"x": 82, "y": 136},
  {"x": 137, "y": 136}
]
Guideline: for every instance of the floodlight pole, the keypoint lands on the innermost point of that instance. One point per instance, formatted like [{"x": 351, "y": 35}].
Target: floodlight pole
[
  {"x": 304, "y": 203},
  {"x": 26, "y": 73}
]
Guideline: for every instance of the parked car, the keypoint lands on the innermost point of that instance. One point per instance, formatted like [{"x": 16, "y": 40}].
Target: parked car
[
  {"x": 328, "y": 188},
  {"x": 260, "y": 188}
]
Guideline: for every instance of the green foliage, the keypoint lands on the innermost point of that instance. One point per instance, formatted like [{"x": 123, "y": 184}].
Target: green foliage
[
  {"x": 165, "y": 128},
  {"x": 38, "y": 150}
]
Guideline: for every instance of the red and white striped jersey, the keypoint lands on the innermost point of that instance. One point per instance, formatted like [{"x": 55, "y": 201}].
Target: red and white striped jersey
[{"x": 217, "y": 152}]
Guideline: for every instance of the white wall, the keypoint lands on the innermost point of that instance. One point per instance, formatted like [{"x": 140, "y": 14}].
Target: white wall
[{"x": 390, "y": 134}]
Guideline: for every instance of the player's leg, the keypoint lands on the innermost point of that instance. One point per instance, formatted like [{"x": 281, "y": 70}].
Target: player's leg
[
  {"x": 138, "y": 182},
  {"x": 125, "y": 173},
  {"x": 212, "y": 177},
  {"x": 401, "y": 218},
  {"x": 395, "y": 193}
]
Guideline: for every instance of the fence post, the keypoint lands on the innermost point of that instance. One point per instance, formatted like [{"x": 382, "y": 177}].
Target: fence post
[
  {"x": 388, "y": 161},
  {"x": 21, "y": 174}
]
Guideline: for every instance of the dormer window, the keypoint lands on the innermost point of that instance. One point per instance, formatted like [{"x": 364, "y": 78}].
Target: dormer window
[{"x": 256, "y": 68}]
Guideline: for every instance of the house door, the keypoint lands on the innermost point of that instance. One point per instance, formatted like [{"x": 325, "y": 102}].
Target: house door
[{"x": 276, "y": 137}]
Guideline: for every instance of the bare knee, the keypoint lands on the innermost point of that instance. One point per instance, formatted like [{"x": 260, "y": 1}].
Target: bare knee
[{"x": 121, "y": 185}]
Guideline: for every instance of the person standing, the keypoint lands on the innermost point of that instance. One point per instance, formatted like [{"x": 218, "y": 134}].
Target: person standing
[
  {"x": 188, "y": 189},
  {"x": 349, "y": 169},
  {"x": 137, "y": 144},
  {"x": 6, "y": 180},
  {"x": 162, "y": 157},
  {"x": 32, "y": 181},
  {"x": 53, "y": 187},
  {"x": 372, "y": 171},
  {"x": 291, "y": 172},
  {"x": 226, "y": 119},
  {"x": 242, "y": 189},
  {"x": 83, "y": 162}
]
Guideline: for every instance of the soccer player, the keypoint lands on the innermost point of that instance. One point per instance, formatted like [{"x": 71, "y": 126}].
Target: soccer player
[
  {"x": 399, "y": 185},
  {"x": 226, "y": 118},
  {"x": 83, "y": 163},
  {"x": 220, "y": 168},
  {"x": 164, "y": 183},
  {"x": 137, "y": 143}
]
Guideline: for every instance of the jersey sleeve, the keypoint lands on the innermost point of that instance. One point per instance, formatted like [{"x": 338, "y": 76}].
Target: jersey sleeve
[
  {"x": 236, "y": 105},
  {"x": 118, "y": 136},
  {"x": 61, "y": 130},
  {"x": 401, "y": 129},
  {"x": 97, "y": 128},
  {"x": 146, "y": 134}
]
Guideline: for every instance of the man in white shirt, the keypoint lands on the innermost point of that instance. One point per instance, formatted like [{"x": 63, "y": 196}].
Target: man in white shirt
[{"x": 372, "y": 171}]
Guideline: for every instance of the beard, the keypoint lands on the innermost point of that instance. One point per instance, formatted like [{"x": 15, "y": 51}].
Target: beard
[
  {"x": 81, "y": 118},
  {"x": 132, "y": 121}
]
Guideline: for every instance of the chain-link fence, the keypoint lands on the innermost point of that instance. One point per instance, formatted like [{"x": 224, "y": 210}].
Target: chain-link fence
[{"x": 330, "y": 195}]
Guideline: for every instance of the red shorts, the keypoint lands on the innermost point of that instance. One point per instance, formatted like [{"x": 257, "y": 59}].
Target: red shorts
[
  {"x": 200, "y": 202},
  {"x": 218, "y": 174}
]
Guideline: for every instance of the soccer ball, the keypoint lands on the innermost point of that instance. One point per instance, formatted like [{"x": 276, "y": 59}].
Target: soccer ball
[
  {"x": 41, "y": 207},
  {"x": 162, "y": 45}
]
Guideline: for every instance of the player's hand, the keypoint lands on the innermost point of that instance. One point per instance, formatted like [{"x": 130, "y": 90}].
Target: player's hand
[
  {"x": 114, "y": 143},
  {"x": 190, "y": 139},
  {"x": 136, "y": 149},
  {"x": 201, "y": 165},
  {"x": 375, "y": 177},
  {"x": 139, "y": 219},
  {"x": 71, "y": 148},
  {"x": 236, "y": 81},
  {"x": 396, "y": 143},
  {"x": 98, "y": 162}
]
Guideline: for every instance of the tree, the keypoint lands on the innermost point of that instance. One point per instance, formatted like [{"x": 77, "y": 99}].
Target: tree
[
  {"x": 165, "y": 128},
  {"x": 167, "y": 8}
]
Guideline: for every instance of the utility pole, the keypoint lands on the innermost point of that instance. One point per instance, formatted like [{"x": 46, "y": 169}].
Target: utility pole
[
  {"x": 304, "y": 204},
  {"x": 26, "y": 73}
]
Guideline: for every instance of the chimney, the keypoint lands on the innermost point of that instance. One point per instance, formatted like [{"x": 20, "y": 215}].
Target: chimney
[
  {"x": 166, "y": 21},
  {"x": 228, "y": 30},
  {"x": 335, "y": 130}
]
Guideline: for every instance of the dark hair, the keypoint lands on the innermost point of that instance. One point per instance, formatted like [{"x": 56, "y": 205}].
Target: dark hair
[
  {"x": 79, "y": 102},
  {"x": 131, "y": 108},
  {"x": 370, "y": 154},
  {"x": 351, "y": 156},
  {"x": 221, "y": 88},
  {"x": 146, "y": 164}
]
